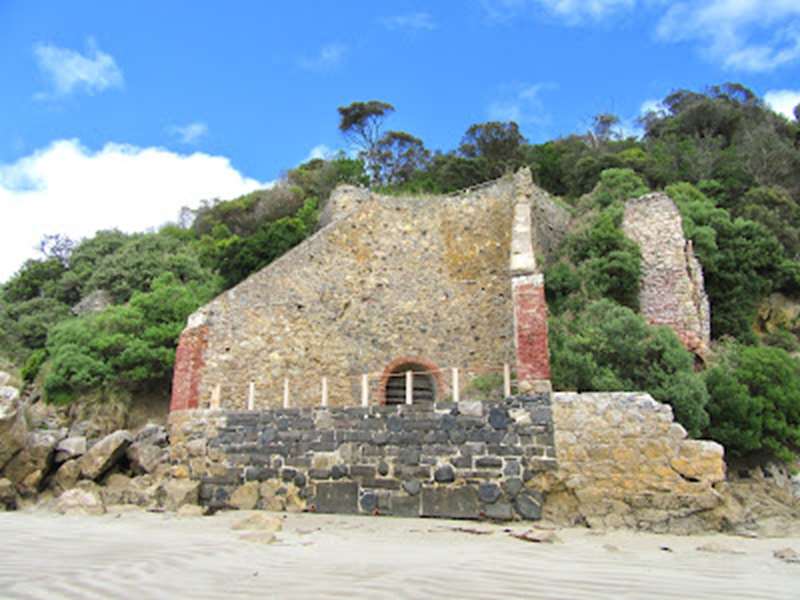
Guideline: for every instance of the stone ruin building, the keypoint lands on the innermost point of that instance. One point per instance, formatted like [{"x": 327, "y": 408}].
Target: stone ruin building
[{"x": 338, "y": 378}]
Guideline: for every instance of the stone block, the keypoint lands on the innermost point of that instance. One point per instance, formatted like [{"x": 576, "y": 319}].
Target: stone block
[
  {"x": 336, "y": 497},
  {"x": 499, "y": 511},
  {"x": 404, "y": 506},
  {"x": 450, "y": 502},
  {"x": 528, "y": 505},
  {"x": 444, "y": 474}
]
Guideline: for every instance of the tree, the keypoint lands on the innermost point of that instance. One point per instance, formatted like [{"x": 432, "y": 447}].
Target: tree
[
  {"x": 57, "y": 246},
  {"x": 603, "y": 128},
  {"x": 499, "y": 143},
  {"x": 361, "y": 123},
  {"x": 397, "y": 156}
]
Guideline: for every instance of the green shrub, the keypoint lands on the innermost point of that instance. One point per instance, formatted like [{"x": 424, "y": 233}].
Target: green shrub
[
  {"x": 618, "y": 185},
  {"x": 608, "y": 347},
  {"x": 755, "y": 401},
  {"x": 33, "y": 365}
]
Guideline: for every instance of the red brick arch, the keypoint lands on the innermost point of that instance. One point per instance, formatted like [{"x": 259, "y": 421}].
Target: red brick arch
[{"x": 426, "y": 365}]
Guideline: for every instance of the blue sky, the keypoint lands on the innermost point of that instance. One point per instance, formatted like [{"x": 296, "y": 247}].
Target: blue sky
[{"x": 119, "y": 113}]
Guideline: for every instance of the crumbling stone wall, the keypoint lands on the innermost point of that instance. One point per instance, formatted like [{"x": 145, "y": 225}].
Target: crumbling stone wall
[
  {"x": 464, "y": 460},
  {"x": 623, "y": 461},
  {"x": 672, "y": 291}
]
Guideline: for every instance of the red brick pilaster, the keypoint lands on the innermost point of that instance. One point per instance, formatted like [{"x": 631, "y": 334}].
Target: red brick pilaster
[
  {"x": 189, "y": 363},
  {"x": 530, "y": 330}
]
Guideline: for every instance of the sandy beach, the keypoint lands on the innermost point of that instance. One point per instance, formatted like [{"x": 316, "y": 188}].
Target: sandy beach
[{"x": 142, "y": 555}]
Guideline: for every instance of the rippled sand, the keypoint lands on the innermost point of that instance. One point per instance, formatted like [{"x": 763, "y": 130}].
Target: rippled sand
[{"x": 140, "y": 555}]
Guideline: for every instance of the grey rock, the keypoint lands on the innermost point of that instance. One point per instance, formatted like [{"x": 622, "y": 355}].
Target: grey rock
[
  {"x": 146, "y": 457},
  {"x": 528, "y": 505},
  {"x": 105, "y": 454},
  {"x": 444, "y": 474},
  {"x": 512, "y": 487},
  {"x": 499, "y": 511},
  {"x": 450, "y": 502},
  {"x": 95, "y": 301},
  {"x": 369, "y": 502},
  {"x": 489, "y": 493},
  {"x": 69, "y": 448},
  {"x": 338, "y": 471},
  {"x": 412, "y": 487},
  {"x": 405, "y": 506},
  {"x": 300, "y": 480},
  {"x": 8, "y": 495},
  {"x": 336, "y": 497},
  {"x": 498, "y": 418},
  {"x": 383, "y": 469}
]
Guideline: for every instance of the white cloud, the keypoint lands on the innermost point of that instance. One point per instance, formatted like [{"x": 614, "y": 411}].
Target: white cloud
[
  {"x": 320, "y": 151},
  {"x": 744, "y": 35},
  {"x": 67, "y": 188},
  {"x": 68, "y": 70},
  {"x": 522, "y": 104},
  {"x": 190, "y": 133},
  {"x": 329, "y": 57},
  {"x": 571, "y": 11},
  {"x": 783, "y": 101},
  {"x": 418, "y": 21}
]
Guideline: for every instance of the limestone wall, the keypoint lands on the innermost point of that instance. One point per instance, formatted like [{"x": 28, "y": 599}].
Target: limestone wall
[
  {"x": 622, "y": 461},
  {"x": 672, "y": 291},
  {"x": 460, "y": 461},
  {"x": 395, "y": 277}
]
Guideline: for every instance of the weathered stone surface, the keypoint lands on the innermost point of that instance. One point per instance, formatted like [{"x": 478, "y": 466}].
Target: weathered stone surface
[
  {"x": 69, "y": 448},
  {"x": 246, "y": 496},
  {"x": 499, "y": 511},
  {"x": 450, "y": 502},
  {"x": 104, "y": 454},
  {"x": 489, "y": 492},
  {"x": 8, "y": 495},
  {"x": 369, "y": 502},
  {"x": 28, "y": 467},
  {"x": 336, "y": 497},
  {"x": 528, "y": 505},
  {"x": 67, "y": 476},
  {"x": 179, "y": 492},
  {"x": 404, "y": 506},
  {"x": 672, "y": 291},
  {"x": 13, "y": 429},
  {"x": 191, "y": 510},
  {"x": 80, "y": 501},
  {"x": 146, "y": 457},
  {"x": 412, "y": 487},
  {"x": 122, "y": 490},
  {"x": 623, "y": 463},
  {"x": 444, "y": 474}
]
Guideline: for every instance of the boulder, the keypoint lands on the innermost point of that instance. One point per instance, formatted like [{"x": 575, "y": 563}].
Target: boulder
[
  {"x": 8, "y": 495},
  {"x": 80, "y": 501},
  {"x": 175, "y": 493},
  {"x": 13, "y": 429},
  {"x": 9, "y": 394},
  {"x": 30, "y": 466},
  {"x": 67, "y": 476},
  {"x": 120, "y": 489},
  {"x": 69, "y": 448},
  {"x": 146, "y": 457},
  {"x": 153, "y": 434},
  {"x": 95, "y": 301},
  {"x": 105, "y": 454},
  {"x": 245, "y": 497}
]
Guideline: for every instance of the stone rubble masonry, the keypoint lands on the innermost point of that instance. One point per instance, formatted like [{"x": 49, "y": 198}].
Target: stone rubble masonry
[
  {"x": 386, "y": 277},
  {"x": 402, "y": 460},
  {"x": 624, "y": 462},
  {"x": 672, "y": 291}
]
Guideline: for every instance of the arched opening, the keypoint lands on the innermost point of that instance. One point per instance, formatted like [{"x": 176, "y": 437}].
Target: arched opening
[{"x": 425, "y": 382}]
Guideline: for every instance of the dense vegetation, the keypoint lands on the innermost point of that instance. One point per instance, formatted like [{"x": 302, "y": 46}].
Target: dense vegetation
[{"x": 731, "y": 165}]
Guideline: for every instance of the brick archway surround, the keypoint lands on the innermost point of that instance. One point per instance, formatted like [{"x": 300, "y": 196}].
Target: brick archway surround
[{"x": 426, "y": 365}]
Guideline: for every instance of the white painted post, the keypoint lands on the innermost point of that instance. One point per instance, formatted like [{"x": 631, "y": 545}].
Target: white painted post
[
  {"x": 364, "y": 390},
  {"x": 251, "y": 396},
  {"x": 454, "y": 372},
  {"x": 409, "y": 387},
  {"x": 216, "y": 395},
  {"x": 286, "y": 393},
  {"x": 506, "y": 380},
  {"x": 324, "y": 392}
]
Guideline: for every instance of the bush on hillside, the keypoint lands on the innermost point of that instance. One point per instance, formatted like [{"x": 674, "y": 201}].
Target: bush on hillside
[
  {"x": 608, "y": 347},
  {"x": 755, "y": 401}
]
